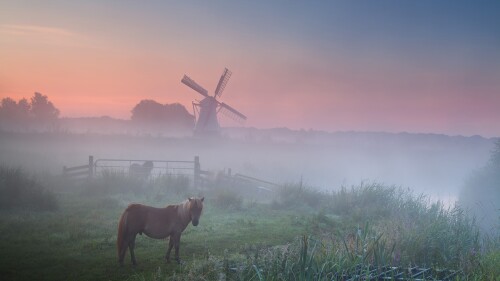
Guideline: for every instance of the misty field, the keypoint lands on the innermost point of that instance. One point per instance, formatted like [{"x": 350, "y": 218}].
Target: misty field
[
  {"x": 301, "y": 234},
  {"x": 77, "y": 241},
  {"x": 53, "y": 228}
]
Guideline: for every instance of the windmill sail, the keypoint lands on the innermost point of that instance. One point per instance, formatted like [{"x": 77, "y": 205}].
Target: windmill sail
[
  {"x": 231, "y": 113},
  {"x": 222, "y": 82},
  {"x": 193, "y": 85}
]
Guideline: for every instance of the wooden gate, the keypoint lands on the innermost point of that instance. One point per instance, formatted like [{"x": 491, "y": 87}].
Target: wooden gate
[{"x": 159, "y": 168}]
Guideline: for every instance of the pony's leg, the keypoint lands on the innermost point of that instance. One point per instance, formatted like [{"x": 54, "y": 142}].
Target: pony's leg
[
  {"x": 121, "y": 256},
  {"x": 131, "y": 246},
  {"x": 170, "y": 246},
  {"x": 177, "y": 242},
  {"x": 123, "y": 251}
]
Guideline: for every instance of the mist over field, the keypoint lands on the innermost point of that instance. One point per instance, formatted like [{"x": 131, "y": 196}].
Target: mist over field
[
  {"x": 427, "y": 199},
  {"x": 436, "y": 165}
]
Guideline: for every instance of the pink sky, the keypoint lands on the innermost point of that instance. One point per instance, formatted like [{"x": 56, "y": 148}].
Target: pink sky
[{"x": 281, "y": 81}]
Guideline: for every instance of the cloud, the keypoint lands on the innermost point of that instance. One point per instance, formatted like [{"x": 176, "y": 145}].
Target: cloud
[{"x": 15, "y": 29}]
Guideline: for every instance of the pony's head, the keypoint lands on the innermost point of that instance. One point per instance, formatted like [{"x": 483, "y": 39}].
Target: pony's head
[{"x": 195, "y": 208}]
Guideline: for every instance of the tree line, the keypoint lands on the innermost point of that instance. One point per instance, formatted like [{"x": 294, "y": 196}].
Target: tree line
[{"x": 39, "y": 113}]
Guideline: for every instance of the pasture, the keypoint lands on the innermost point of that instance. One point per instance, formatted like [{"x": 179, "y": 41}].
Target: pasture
[
  {"x": 240, "y": 239},
  {"x": 78, "y": 240},
  {"x": 53, "y": 229}
]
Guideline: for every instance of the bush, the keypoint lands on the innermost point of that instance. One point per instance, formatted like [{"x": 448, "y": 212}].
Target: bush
[
  {"x": 19, "y": 190},
  {"x": 481, "y": 194},
  {"x": 176, "y": 184},
  {"x": 422, "y": 232},
  {"x": 298, "y": 195},
  {"x": 227, "y": 199},
  {"x": 112, "y": 182},
  {"x": 366, "y": 201}
]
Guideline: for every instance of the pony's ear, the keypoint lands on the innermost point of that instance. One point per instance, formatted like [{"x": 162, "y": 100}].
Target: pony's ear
[
  {"x": 190, "y": 199},
  {"x": 202, "y": 198}
]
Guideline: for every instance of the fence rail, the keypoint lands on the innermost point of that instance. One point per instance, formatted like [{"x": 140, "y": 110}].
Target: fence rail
[
  {"x": 80, "y": 172},
  {"x": 158, "y": 168}
]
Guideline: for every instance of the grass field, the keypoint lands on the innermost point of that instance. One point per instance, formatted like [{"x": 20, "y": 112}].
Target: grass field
[
  {"x": 301, "y": 234},
  {"x": 78, "y": 241}
]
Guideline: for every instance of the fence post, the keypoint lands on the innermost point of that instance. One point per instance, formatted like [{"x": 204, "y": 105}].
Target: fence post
[
  {"x": 91, "y": 166},
  {"x": 196, "y": 174}
]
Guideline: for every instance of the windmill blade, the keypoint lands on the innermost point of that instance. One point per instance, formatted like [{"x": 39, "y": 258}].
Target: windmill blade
[
  {"x": 222, "y": 82},
  {"x": 193, "y": 85},
  {"x": 232, "y": 113}
]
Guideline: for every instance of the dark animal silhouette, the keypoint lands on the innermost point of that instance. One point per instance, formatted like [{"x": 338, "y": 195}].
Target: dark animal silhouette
[{"x": 141, "y": 171}]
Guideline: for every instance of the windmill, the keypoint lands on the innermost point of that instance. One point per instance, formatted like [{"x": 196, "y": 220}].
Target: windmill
[{"x": 206, "y": 110}]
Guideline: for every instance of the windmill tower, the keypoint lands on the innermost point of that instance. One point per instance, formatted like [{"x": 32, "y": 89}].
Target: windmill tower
[{"x": 206, "y": 110}]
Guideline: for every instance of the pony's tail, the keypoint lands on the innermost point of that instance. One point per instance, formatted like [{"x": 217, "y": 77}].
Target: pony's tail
[{"x": 122, "y": 228}]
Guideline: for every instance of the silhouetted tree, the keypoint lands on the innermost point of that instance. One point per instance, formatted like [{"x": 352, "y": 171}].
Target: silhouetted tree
[
  {"x": 495, "y": 156},
  {"x": 14, "y": 111},
  {"x": 24, "y": 108},
  {"x": 42, "y": 109},
  {"x": 38, "y": 114},
  {"x": 150, "y": 112},
  {"x": 14, "y": 115},
  {"x": 481, "y": 193}
]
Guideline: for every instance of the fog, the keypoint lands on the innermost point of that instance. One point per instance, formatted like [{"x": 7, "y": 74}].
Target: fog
[{"x": 436, "y": 165}]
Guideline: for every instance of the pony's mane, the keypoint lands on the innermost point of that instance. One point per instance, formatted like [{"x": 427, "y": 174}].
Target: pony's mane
[{"x": 183, "y": 208}]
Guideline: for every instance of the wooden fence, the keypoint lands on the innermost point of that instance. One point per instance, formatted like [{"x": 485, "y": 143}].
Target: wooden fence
[
  {"x": 80, "y": 172},
  {"x": 160, "y": 167}
]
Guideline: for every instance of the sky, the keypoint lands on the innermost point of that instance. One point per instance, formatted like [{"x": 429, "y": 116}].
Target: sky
[{"x": 394, "y": 66}]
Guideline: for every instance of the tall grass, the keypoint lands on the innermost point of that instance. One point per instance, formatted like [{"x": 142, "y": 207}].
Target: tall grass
[
  {"x": 298, "y": 195},
  {"x": 353, "y": 231},
  {"x": 19, "y": 190},
  {"x": 110, "y": 182},
  {"x": 422, "y": 232},
  {"x": 360, "y": 231},
  {"x": 226, "y": 198}
]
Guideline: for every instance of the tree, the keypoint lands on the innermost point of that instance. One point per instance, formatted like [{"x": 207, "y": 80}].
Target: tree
[
  {"x": 495, "y": 156},
  {"x": 154, "y": 114},
  {"x": 14, "y": 116},
  {"x": 147, "y": 111},
  {"x": 42, "y": 109},
  {"x": 15, "y": 111},
  {"x": 24, "y": 108},
  {"x": 481, "y": 193},
  {"x": 22, "y": 115}
]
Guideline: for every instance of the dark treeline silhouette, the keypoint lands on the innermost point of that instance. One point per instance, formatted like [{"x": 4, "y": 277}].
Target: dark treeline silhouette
[
  {"x": 162, "y": 116},
  {"x": 37, "y": 114},
  {"x": 40, "y": 114}
]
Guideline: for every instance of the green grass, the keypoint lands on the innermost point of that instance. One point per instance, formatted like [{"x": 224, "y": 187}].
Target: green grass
[
  {"x": 78, "y": 241},
  {"x": 302, "y": 234}
]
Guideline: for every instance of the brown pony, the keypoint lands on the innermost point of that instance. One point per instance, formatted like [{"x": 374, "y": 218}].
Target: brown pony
[{"x": 156, "y": 223}]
